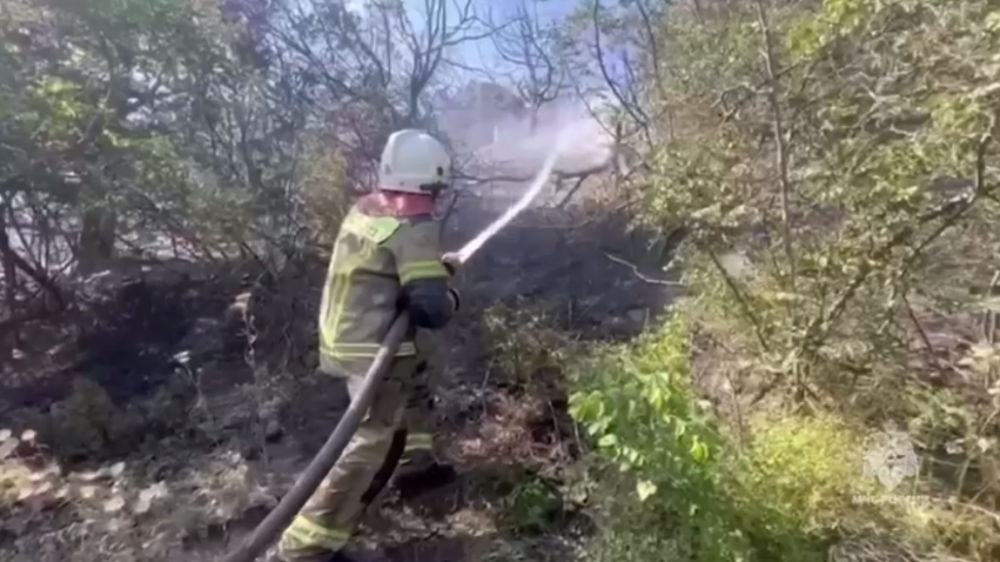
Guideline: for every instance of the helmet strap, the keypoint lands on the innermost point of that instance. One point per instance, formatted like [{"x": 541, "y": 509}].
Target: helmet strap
[{"x": 434, "y": 189}]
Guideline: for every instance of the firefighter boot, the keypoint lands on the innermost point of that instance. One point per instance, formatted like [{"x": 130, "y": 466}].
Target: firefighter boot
[{"x": 419, "y": 469}]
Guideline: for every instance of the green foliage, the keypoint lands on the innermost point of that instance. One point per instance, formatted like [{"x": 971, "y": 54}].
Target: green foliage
[
  {"x": 156, "y": 116},
  {"x": 803, "y": 473},
  {"x": 836, "y": 166},
  {"x": 89, "y": 425},
  {"x": 525, "y": 342},
  {"x": 322, "y": 205},
  {"x": 531, "y": 505},
  {"x": 698, "y": 492},
  {"x": 86, "y": 423},
  {"x": 850, "y": 202},
  {"x": 637, "y": 405}
]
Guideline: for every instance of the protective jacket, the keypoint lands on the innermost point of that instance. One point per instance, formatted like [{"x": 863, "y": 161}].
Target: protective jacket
[{"x": 387, "y": 257}]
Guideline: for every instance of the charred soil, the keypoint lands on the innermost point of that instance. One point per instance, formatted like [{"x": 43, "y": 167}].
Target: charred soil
[{"x": 164, "y": 414}]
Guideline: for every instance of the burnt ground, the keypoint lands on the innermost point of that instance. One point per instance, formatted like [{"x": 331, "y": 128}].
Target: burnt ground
[{"x": 161, "y": 433}]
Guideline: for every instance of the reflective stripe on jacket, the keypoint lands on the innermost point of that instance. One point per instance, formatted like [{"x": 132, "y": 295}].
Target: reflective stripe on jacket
[{"x": 378, "y": 251}]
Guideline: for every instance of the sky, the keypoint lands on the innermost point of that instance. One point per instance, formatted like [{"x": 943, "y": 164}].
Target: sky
[{"x": 481, "y": 53}]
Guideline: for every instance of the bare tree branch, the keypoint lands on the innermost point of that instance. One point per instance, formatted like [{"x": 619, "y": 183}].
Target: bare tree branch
[{"x": 525, "y": 43}]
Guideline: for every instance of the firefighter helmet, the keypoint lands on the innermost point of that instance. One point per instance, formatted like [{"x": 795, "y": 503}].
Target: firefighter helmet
[{"x": 415, "y": 162}]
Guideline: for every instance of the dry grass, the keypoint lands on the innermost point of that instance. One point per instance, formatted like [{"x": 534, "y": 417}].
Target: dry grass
[
  {"x": 125, "y": 511},
  {"x": 509, "y": 435}
]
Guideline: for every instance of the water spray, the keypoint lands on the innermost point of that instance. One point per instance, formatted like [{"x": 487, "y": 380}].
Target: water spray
[
  {"x": 472, "y": 246},
  {"x": 282, "y": 515}
]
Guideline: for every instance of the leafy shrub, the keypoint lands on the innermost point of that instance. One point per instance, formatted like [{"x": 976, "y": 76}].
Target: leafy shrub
[
  {"x": 637, "y": 405},
  {"x": 673, "y": 480},
  {"x": 531, "y": 505},
  {"x": 525, "y": 342}
]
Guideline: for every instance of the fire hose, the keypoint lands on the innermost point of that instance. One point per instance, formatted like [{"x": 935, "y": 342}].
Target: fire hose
[{"x": 282, "y": 515}]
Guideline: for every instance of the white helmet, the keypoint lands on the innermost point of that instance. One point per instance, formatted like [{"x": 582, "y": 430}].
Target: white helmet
[{"x": 414, "y": 162}]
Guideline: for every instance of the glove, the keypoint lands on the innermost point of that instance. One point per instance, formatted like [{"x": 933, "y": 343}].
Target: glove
[
  {"x": 451, "y": 262},
  {"x": 456, "y": 299}
]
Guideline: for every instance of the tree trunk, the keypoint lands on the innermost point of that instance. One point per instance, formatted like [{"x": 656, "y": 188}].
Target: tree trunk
[
  {"x": 97, "y": 239},
  {"x": 9, "y": 342}
]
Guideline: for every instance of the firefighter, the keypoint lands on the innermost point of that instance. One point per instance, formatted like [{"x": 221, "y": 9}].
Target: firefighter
[{"x": 386, "y": 258}]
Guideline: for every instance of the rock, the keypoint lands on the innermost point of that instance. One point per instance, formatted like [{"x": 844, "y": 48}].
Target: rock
[
  {"x": 638, "y": 315},
  {"x": 148, "y": 496},
  {"x": 114, "y": 504},
  {"x": 273, "y": 430}
]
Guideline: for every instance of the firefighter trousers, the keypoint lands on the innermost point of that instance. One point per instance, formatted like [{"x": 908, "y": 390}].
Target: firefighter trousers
[{"x": 330, "y": 517}]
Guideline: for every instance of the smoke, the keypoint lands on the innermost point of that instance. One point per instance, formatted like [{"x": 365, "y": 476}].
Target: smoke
[
  {"x": 525, "y": 200},
  {"x": 522, "y": 147},
  {"x": 498, "y": 142}
]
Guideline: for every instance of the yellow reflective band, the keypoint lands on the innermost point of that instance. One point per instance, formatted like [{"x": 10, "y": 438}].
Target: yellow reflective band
[
  {"x": 421, "y": 270},
  {"x": 308, "y": 534},
  {"x": 328, "y": 306},
  {"x": 339, "y": 280},
  {"x": 373, "y": 434},
  {"x": 376, "y": 229},
  {"x": 362, "y": 350},
  {"x": 419, "y": 442}
]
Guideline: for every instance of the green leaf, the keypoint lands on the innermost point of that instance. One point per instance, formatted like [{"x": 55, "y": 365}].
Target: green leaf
[
  {"x": 699, "y": 451},
  {"x": 645, "y": 489}
]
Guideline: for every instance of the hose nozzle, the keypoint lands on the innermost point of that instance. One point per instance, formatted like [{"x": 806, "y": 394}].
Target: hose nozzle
[{"x": 452, "y": 262}]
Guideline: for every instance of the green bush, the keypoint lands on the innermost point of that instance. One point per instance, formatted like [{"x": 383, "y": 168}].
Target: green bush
[
  {"x": 525, "y": 342},
  {"x": 858, "y": 198},
  {"x": 677, "y": 486},
  {"x": 637, "y": 405}
]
